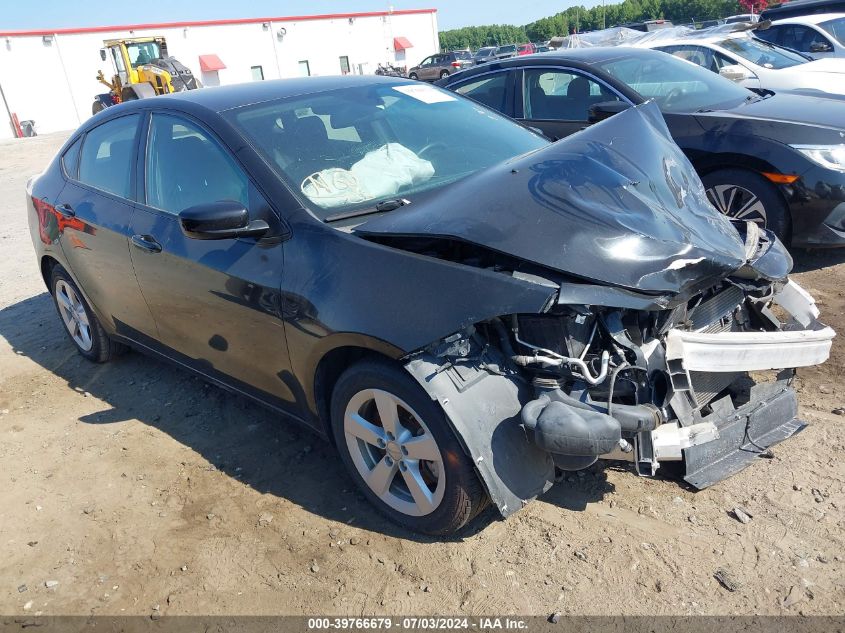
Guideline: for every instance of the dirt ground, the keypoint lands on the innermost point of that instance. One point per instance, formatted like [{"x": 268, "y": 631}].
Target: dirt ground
[{"x": 135, "y": 488}]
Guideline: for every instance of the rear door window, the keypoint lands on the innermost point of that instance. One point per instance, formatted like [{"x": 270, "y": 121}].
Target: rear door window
[
  {"x": 489, "y": 90},
  {"x": 558, "y": 95},
  {"x": 105, "y": 161}
]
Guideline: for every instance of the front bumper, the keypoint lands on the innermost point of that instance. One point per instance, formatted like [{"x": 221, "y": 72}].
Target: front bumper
[
  {"x": 749, "y": 351},
  {"x": 817, "y": 206},
  {"x": 743, "y": 434}
]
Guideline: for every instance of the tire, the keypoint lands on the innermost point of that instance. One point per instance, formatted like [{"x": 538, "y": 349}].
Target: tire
[
  {"x": 97, "y": 107},
  {"x": 413, "y": 76},
  {"x": 444, "y": 74},
  {"x": 452, "y": 496},
  {"x": 81, "y": 325},
  {"x": 742, "y": 194}
]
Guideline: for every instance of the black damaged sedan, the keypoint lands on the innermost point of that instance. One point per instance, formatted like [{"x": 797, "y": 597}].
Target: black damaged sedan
[{"x": 458, "y": 305}]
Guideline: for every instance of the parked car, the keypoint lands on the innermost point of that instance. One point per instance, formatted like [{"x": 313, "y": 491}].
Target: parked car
[
  {"x": 819, "y": 35},
  {"x": 797, "y": 8},
  {"x": 484, "y": 55},
  {"x": 436, "y": 67},
  {"x": 775, "y": 159},
  {"x": 751, "y": 18},
  {"x": 457, "y": 303},
  {"x": 648, "y": 25},
  {"x": 525, "y": 49},
  {"x": 505, "y": 51},
  {"x": 757, "y": 64}
]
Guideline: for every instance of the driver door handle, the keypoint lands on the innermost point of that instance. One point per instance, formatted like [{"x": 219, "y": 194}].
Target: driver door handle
[
  {"x": 146, "y": 243},
  {"x": 66, "y": 210}
]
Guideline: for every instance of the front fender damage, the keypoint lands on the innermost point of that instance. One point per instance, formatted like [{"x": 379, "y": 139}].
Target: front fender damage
[{"x": 484, "y": 410}]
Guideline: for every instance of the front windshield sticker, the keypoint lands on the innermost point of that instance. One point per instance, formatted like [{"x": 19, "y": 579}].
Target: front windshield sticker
[{"x": 426, "y": 94}]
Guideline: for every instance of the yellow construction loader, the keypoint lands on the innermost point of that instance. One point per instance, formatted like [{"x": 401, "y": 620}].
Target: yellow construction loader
[{"x": 142, "y": 69}]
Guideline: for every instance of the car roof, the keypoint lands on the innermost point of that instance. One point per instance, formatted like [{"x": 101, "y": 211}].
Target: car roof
[
  {"x": 815, "y": 18},
  {"x": 581, "y": 56},
  {"x": 221, "y": 98}
]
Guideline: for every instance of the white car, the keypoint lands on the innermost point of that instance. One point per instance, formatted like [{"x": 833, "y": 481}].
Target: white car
[
  {"x": 820, "y": 35},
  {"x": 756, "y": 64}
]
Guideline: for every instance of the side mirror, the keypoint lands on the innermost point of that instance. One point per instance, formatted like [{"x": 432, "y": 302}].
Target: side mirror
[
  {"x": 225, "y": 219},
  {"x": 605, "y": 110},
  {"x": 820, "y": 47},
  {"x": 103, "y": 54},
  {"x": 735, "y": 72}
]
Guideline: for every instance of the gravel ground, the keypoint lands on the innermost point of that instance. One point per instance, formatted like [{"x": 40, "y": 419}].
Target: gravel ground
[{"x": 135, "y": 488}]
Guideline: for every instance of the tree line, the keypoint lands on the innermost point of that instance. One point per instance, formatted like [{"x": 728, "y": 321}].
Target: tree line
[{"x": 579, "y": 19}]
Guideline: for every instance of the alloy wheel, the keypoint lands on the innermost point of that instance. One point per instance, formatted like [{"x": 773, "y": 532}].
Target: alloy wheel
[
  {"x": 394, "y": 452},
  {"x": 73, "y": 314},
  {"x": 738, "y": 203}
]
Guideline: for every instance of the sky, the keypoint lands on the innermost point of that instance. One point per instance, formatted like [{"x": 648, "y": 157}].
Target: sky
[{"x": 47, "y": 14}]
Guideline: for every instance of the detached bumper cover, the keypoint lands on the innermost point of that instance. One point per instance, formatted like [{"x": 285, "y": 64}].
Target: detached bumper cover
[
  {"x": 743, "y": 433},
  {"x": 749, "y": 351}
]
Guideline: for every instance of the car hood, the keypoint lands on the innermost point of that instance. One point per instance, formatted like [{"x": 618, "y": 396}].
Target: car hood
[
  {"x": 825, "y": 65},
  {"x": 792, "y": 108},
  {"x": 617, "y": 203}
]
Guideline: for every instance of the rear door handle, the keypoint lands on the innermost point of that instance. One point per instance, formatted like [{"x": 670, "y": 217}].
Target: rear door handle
[
  {"x": 66, "y": 210},
  {"x": 146, "y": 243}
]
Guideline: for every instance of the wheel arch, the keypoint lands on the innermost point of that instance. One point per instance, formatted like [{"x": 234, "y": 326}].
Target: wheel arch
[
  {"x": 331, "y": 366},
  {"x": 48, "y": 263}
]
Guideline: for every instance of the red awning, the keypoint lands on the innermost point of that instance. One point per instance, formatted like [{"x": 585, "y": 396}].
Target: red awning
[
  {"x": 401, "y": 43},
  {"x": 209, "y": 63}
]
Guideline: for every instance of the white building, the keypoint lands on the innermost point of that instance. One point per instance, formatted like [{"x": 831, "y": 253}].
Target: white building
[{"x": 49, "y": 76}]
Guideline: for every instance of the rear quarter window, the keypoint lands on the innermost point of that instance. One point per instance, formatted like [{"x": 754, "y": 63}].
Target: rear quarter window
[{"x": 70, "y": 159}]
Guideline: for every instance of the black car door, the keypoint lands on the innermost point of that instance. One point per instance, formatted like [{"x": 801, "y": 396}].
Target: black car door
[
  {"x": 96, "y": 207},
  {"x": 215, "y": 302},
  {"x": 558, "y": 100}
]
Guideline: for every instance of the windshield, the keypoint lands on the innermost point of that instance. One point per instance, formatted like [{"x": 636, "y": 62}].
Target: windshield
[
  {"x": 762, "y": 53},
  {"x": 676, "y": 85},
  {"x": 351, "y": 148},
  {"x": 463, "y": 55},
  {"x": 484, "y": 52},
  {"x": 836, "y": 28},
  {"x": 143, "y": 52},
  {"x": 507, "y": 49}
]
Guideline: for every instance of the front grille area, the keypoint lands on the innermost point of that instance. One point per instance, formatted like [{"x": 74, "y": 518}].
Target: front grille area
[
  {"x": 716, "y": 313},
  {"x": 707, "y": 385},
  {"x": 711, "y": 316}
]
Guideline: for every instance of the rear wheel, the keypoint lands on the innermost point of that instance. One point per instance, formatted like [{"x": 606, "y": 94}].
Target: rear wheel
[
  {"x": 746, "y": 196},
  {"x": 401, "y": 452},
  {"x": 444, "y": 74},
  {"x": 80, "y": 323}
]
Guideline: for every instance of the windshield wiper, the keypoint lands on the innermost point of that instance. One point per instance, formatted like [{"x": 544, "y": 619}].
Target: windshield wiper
[{"x": 380, "y": 207}]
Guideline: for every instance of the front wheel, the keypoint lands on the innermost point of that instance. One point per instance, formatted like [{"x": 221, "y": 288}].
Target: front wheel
[
  {"x": 401, "y": 452},
  {"x": 81, "y": 325},
  {"x": 413, "y": 76},
  {"x": 746, "y": 196}
]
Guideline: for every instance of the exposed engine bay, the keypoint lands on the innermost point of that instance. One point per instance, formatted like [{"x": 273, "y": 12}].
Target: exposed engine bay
[{"x": 651, "y": 382}]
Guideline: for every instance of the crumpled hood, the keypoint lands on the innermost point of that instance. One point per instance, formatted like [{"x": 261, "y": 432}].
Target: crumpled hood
[{"x": 617, "y": 203}]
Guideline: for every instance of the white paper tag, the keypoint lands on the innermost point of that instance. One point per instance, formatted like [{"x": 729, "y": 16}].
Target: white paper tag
[{"x": 424, "y": 93}]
